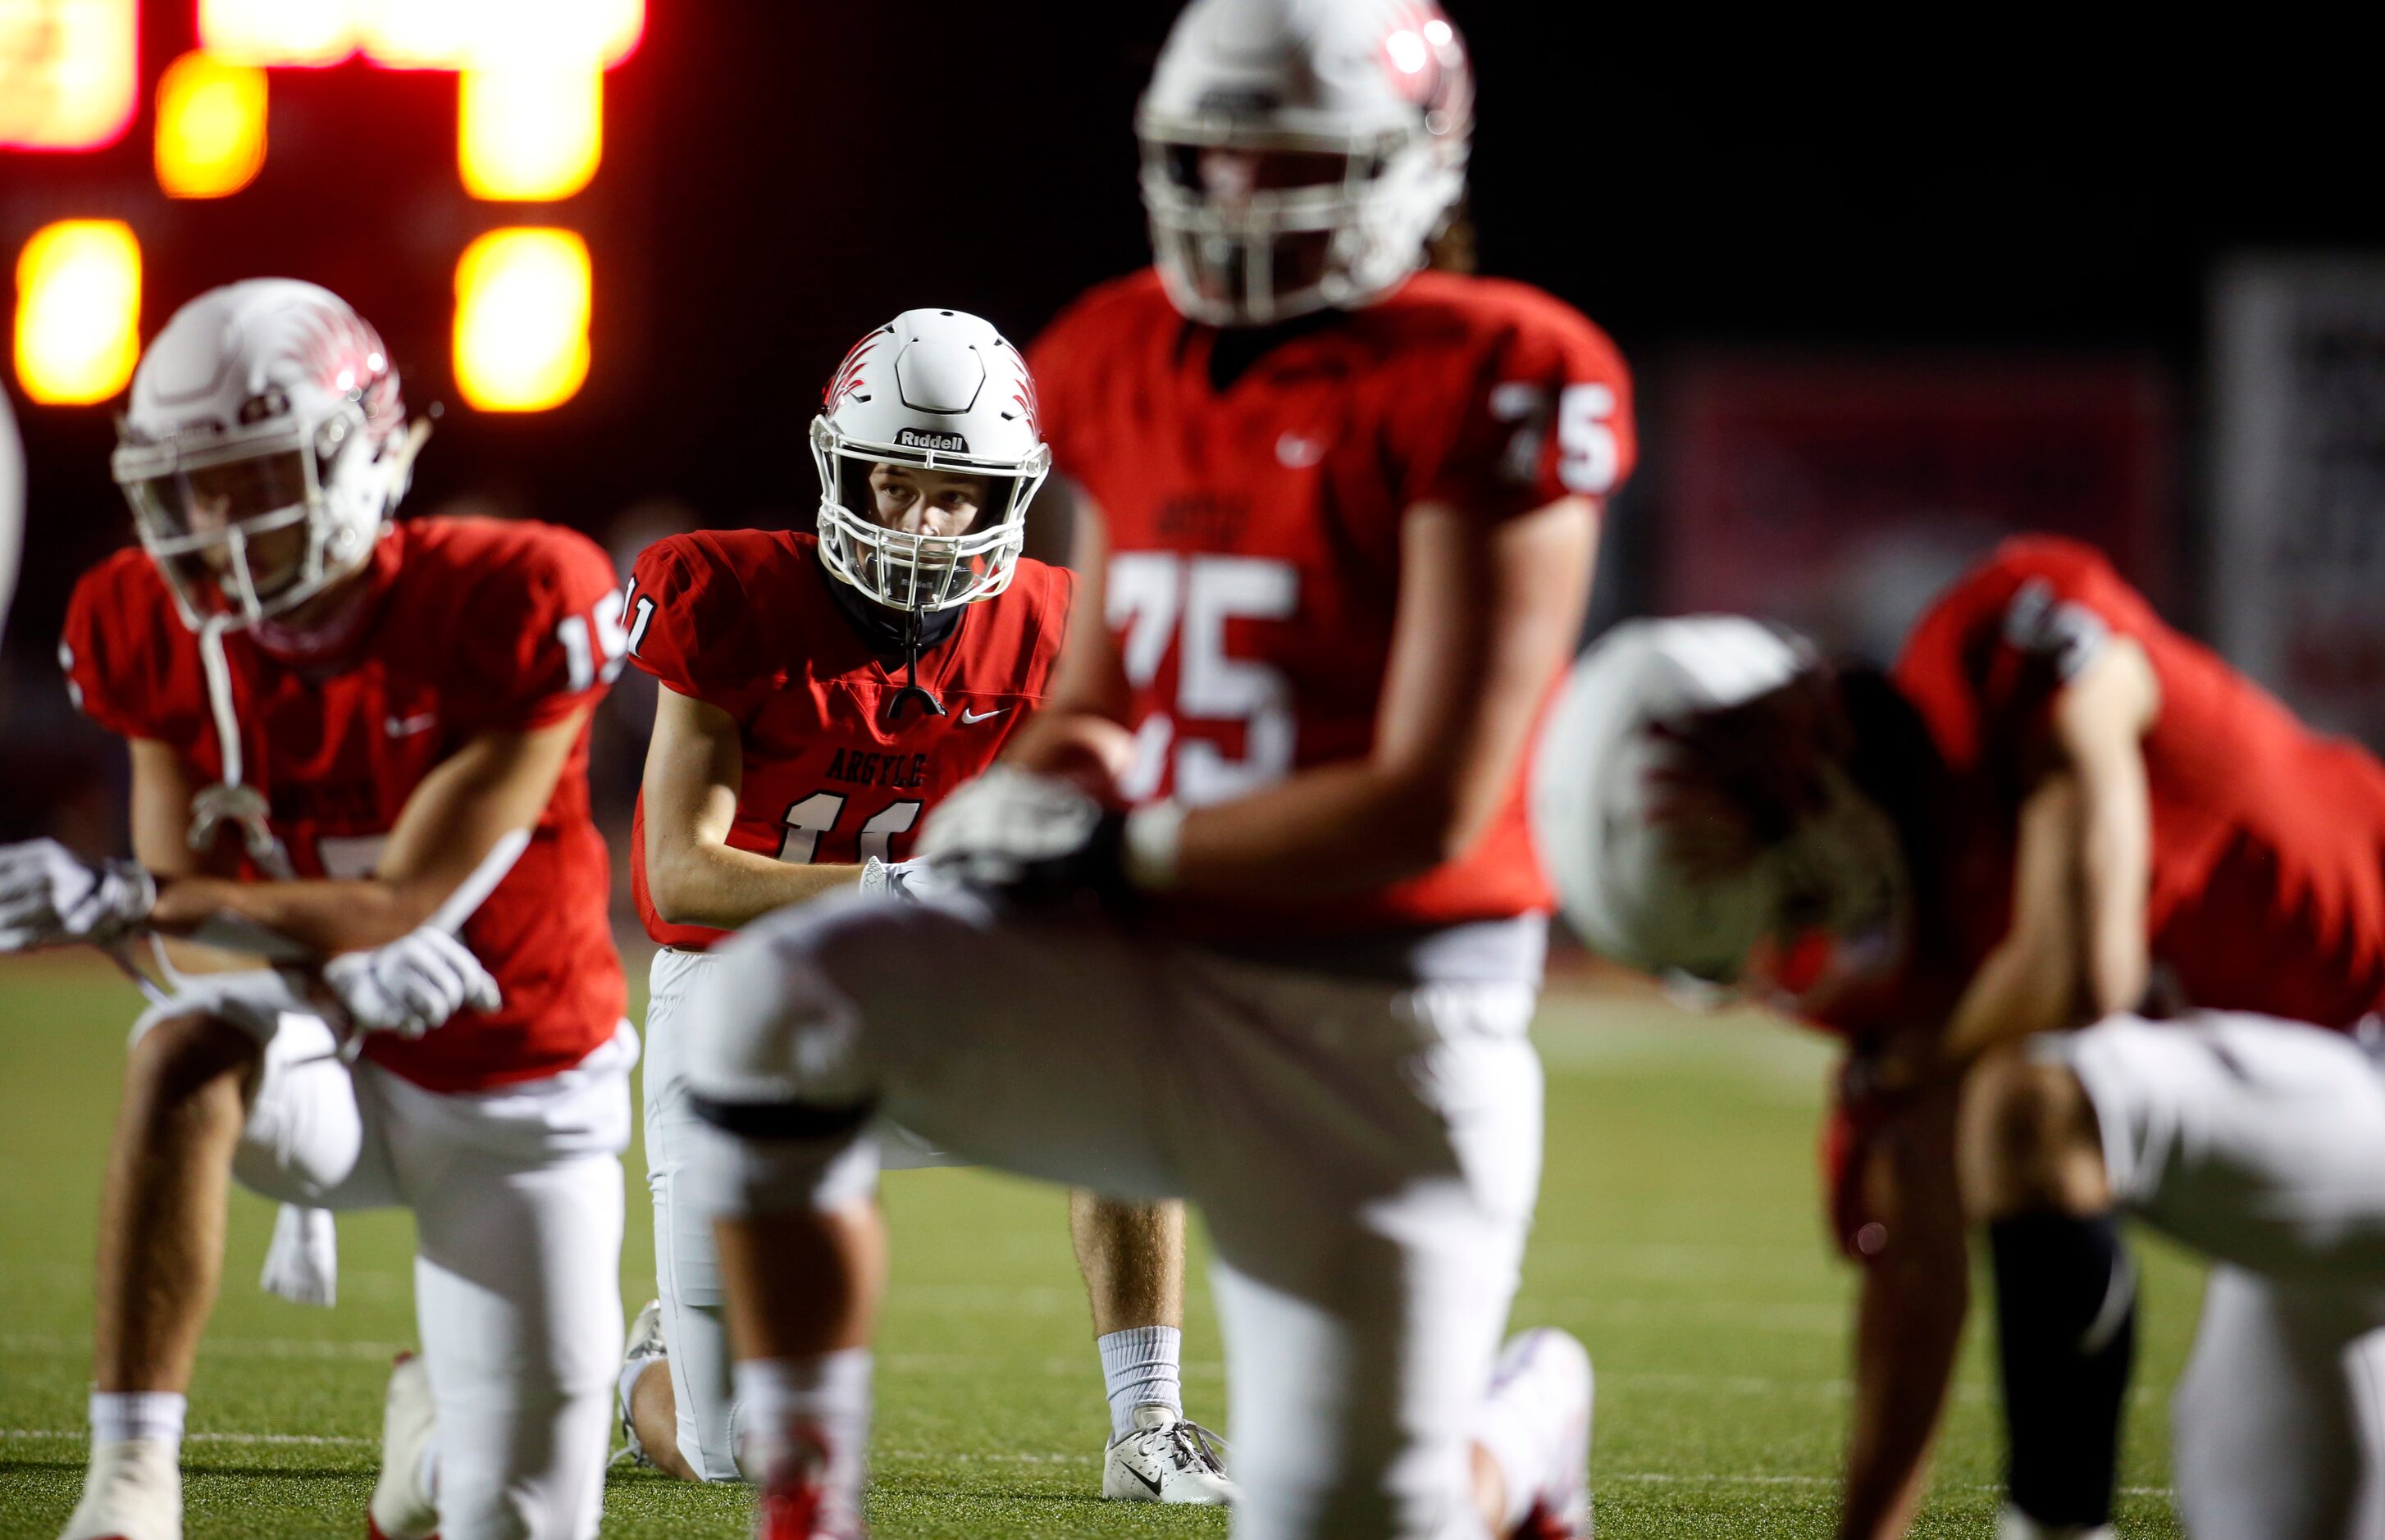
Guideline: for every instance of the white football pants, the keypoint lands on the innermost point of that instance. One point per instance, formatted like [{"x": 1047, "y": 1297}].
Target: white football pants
[
  {"x": 687, "y": 1271},
  {"x": 2261, "y": 1143},
  {"x": 1366, "y": 1154},
  {"x": 517, "y": 1208}
]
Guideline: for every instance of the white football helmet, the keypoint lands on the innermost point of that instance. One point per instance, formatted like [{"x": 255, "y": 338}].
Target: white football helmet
[
  {"x": 941, "y": 390},
  {"x": 264, "y": 406},
  {"x": 1831, "y": 886},
  {"x": 1596, "y": 775},
  {"x": 12, "y": 507},
  {"x": 1300, "y": 154}
]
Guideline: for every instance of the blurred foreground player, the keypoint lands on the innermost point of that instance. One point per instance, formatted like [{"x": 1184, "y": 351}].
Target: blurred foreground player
[
  {"x": 2055, "y": 809},
  {"x": 12, "y": 508},
  {"x": 333, "y": 721},
  {"x": 819, "y": 694},
  {"x": 1340, "y": 516}
]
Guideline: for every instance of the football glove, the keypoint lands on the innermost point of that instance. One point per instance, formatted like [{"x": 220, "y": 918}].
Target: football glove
[
  {"x": 49, "y": 895},
  {"x": 410, "y": 985},
  {"x": 914, "y": 880},
  {"x": 1032, "y": 837}
]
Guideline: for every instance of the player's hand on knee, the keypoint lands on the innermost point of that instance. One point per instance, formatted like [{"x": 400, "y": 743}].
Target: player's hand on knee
[
  {"x": 414, "y": 984},
  {"x": 48, "y": 894},
  {"x": 1030, "y": 834},
  {"x": 914, "y": 880}
]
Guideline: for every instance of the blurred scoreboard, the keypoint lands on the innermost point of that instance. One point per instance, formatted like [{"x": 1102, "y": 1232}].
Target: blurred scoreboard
[{"x": 164, "y": 148}]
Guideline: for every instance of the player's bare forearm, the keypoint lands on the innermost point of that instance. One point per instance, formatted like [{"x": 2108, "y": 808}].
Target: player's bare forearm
[
  {"x": 1488, "y": 616},
  {"x": 704, "y": 884},
  {"x": 323, "y": 917},
  {"x": 497, "y": 783},
  {"x": 2100, "y": 721},
  {"x": 2034, "y": 980},
  {"x": 1908, "y": 1321},
  {"x": 694, "y": 769}
]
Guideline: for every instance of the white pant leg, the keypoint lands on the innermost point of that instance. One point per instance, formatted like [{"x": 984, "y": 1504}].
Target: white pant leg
[
  {"x": 2261, "y": 1143},
  {"x": 1365, "y": 1155},
  {"x": 2256, "y": 1141},
  {"x": 2275, "y": 1432},
  {"x": 1031, "y": 1046},
  {"x": 316, "y": 1129},
  {"x": 518, "y": 1202},
  {"x": 1363, "y": 1298},
  {"x": 687, "y": 1271}
]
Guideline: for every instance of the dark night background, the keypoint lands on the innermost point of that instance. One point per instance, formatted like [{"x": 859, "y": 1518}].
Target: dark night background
[{"x": 779, "y": 177}]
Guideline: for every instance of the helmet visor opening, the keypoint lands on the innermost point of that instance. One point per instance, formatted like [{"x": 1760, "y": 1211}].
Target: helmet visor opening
[
  {"x": 232, "y": 536},
  {"x": 210, "y": 499},
  {"x": 916, "y": 537},
  {"x": 1227, "y": 173}
]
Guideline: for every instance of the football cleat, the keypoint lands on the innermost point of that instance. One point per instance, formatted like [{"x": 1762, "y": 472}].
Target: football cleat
[
  {"x": 133, "y": 1491},
  {"x": 2013, "y": 1524},
  {"x": 798, "y": 1502},
  {"x": 645, "y": 1344},
  {"x": 1166, "y": 1458},
  {"x": 1543, "y": 1377},
  {"x": 401, "y": 1508}
]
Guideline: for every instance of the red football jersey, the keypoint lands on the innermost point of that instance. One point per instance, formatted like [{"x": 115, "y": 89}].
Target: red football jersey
[
  {"x": 744, "y": 619},
  {"x": 1255, "y": 531},
  {"x": 2267, "y": 888},
  {"x": 475, "y": 627}
]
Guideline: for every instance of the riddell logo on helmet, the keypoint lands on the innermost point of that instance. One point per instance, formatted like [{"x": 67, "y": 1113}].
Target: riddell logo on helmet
[{"x": 921, "y": 438}]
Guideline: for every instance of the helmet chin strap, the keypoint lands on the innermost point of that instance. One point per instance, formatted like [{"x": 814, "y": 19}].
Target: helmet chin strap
[
  {"x": 229, "y": 800},
  {"x": 911, "y": 685}
]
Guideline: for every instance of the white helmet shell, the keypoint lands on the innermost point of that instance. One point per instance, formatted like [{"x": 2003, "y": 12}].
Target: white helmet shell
[
  {"x": 278, "y": 388},
  {"x": 12, "y": 507},
  {"x": 1383, "y": 85},
  {"x": 941, "y": 391},
  {"x": 1591, "y": 790}
]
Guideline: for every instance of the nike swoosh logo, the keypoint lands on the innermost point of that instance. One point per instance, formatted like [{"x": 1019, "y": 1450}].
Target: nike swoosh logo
[
  {"x": 408, "y": 727},
  {"x": 1145, "y": 1480},
  {"x": 968, "y": 716}
]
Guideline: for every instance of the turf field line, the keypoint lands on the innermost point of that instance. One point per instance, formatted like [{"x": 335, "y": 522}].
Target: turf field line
[
  {"x": 1759, "y": 1315},
  {"x": 1744, "y": 1478},
  {"x": 34, "y": 1343},
  {"x": 336, "y": 1441},
  {"x": 1640, "y": 1478},
  {"x": 1966, "y": 1391}
]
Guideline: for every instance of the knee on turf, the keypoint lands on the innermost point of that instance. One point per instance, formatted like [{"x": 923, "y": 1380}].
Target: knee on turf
[{"x": 2028, "y": 1140}]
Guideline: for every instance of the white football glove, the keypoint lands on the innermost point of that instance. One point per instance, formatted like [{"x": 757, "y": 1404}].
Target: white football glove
[
  {"x": 48, "y": 894},
  {"x": 1034, "y": 836},
  {"x": 914, "y": 880},
  {"x": 412, "y": 985}
]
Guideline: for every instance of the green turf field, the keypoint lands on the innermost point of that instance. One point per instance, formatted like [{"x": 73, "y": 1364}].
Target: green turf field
[{"x": 1677, "y": 1237}]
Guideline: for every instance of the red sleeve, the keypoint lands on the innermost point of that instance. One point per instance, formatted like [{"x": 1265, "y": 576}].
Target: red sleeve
[
  {"x": 113, "y": 669},
  {"x": 1996, "y": 649},
  {"x": 1052, "y": 363},
  {"x": 686, "y": 616},
  {"x": 545, "y": 630},
  {"x": 1545, "y": 413}
]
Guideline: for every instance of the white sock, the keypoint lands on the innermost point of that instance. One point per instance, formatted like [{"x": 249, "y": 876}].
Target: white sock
[
  {"x": 628, "y": 1383},
  {"x": 1141, "y": 1367},
  {"x": 151, "y": 1416},
  {"x": 819, "y": 1406},
  {"x": 1521, "y": 1453}
]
